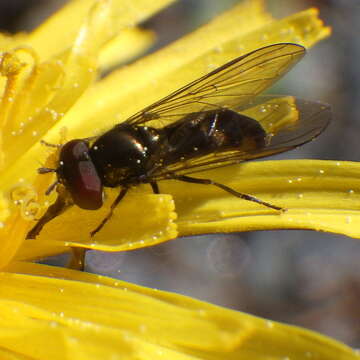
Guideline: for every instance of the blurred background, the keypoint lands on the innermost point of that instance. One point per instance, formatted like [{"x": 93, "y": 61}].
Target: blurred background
[{"x": 298, "y": 277}]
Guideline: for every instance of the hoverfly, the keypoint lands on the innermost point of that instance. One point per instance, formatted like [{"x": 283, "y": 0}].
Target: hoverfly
[{"x": 202, "y": 126}]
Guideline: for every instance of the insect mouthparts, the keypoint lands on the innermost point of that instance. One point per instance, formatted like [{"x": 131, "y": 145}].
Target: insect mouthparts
[{"x": 44, "y": 170}]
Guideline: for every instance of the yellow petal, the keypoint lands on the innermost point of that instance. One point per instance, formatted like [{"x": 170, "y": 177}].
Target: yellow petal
[
  {"x": 101, "y": 317},
  {"x": 318, "y": 195},
  {"x": 36, "y": 250},
  {"x": 129, "y": 43},
  {"x": 28, "y": 90},
  {"x": 144, "y": 220},
  {"x": 58, "y": 32}
]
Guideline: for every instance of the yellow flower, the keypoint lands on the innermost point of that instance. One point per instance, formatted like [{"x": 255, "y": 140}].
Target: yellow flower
[
  {"x": 47, "y": 92},
  {"x": 50, "y": 90}
]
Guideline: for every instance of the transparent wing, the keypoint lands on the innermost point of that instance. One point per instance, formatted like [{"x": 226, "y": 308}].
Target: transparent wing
[
  {"x": 289, "y": 123},
  {"x": 231, "y": 85}
]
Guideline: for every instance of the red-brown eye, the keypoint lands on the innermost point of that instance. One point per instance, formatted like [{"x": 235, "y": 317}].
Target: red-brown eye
[{"x": 78, "y": 173}]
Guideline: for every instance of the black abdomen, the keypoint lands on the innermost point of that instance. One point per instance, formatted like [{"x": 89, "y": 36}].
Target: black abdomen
[{"x": 210, "y": 132}]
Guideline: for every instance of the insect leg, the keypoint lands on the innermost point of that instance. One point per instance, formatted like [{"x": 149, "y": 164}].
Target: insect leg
[
  {"x": 54, "y": 210},
  {"x": 108, "y": 216},
  {"x": 225, "y": 188},
  {"x": 77, "y": 259},
  {"x": 155, "y": 187}
]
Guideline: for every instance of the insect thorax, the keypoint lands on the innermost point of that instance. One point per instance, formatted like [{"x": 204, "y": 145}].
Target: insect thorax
[{"x": 121, "y": 155}]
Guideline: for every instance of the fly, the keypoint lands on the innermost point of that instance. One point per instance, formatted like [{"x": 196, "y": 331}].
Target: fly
[{"x": 214, "y": 121}]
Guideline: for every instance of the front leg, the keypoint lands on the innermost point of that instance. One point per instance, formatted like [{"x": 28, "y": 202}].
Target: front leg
[
  {"x": 108, "y": 216},
  {"x": 155, "y": 187}
]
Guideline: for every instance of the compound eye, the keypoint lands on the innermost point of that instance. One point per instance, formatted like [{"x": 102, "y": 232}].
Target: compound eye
[{"x": 79, "y": 175}]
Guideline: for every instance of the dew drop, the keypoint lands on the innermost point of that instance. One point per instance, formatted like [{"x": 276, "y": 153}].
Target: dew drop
[
  {"x": 22, "y": 192},
  {"x": 218, "y": 49},
  {"x": 72, "y": 340},
  {"x": 211, "y": 67},
  {"x": 269, "y": 324},
  {"x": 143, "y": 328},
  {"x": 53, "y": 324},
  {"x": 54, "y": 114}
]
